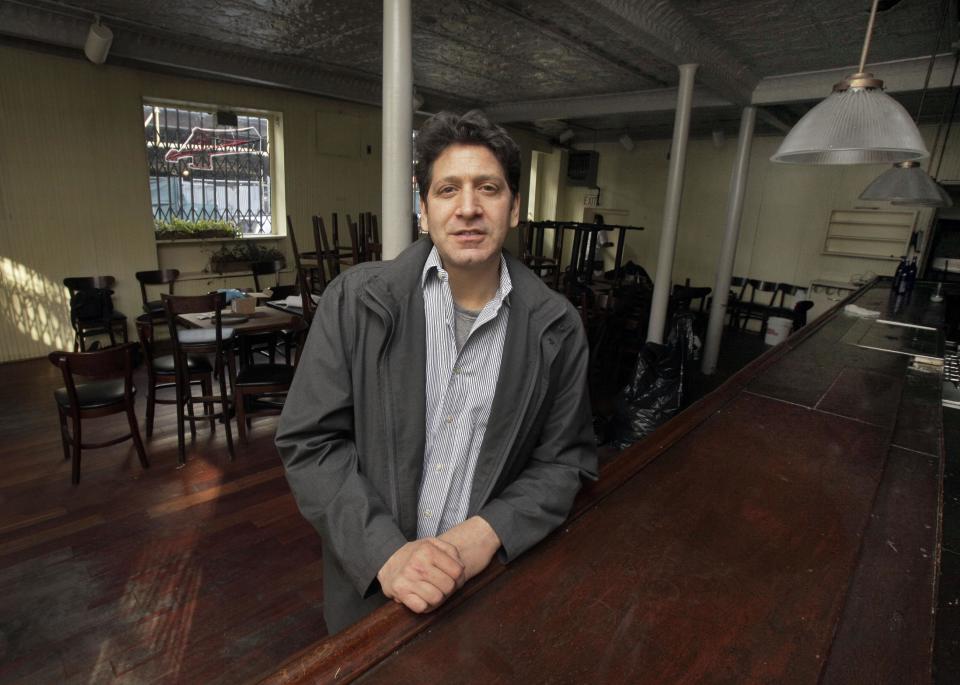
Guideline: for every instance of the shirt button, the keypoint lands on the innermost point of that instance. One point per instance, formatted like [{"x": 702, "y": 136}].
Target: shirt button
[
  {"x": 439, "y": 468},
  {"x": 456, "y": 370},
  {"x": 427, "y": 513},
  {"x": 449, "y": 419}
]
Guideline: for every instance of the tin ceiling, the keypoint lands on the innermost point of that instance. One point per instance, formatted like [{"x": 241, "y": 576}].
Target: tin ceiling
[{"x": 602, "y": 67}]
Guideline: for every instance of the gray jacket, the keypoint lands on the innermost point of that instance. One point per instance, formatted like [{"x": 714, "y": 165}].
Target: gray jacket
[{"x": 351, "y": 435}]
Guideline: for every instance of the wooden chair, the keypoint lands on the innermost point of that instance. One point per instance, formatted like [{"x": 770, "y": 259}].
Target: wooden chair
[
  {"x": 162, "y": 373},
  {"x": 759, "y": 311},
  {"x": 310, "y": 279},
  {"x": 683, "y": 297},
  {"x": 259, "y": 388},
  {"x": 156, "y": 277},
  {"x": 374, "y": 246},
  {"x": 531, "y": 250},
  {"x": 218, "y": 342},
  {"x": 110, "y": 390},
  {"x": 365, "y": 237},
  {"x": 84, "y": 327},
  {"x": 740, "y": 304}
]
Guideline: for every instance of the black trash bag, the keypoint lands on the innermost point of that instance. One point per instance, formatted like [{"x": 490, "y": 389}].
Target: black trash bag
[
  {"x": 633, "y": 274},
  {"x": 656, "y": 392}
]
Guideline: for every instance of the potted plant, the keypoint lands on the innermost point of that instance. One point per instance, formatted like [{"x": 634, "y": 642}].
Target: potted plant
[
  {"x": 238, "y": 256},
  {"x": 182, "y": 229}
]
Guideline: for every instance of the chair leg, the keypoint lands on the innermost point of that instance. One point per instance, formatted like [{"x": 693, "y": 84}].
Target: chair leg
[
  {"x": 181, "y": 439},
  {"x": 193, "y": 424},
  {"x": 206, "y": 385},
  {"x": 64, "y": 435},
  {"x": 238, "y": 402},
  {"x": 151, "y": 405},
  {"x": 135, "y": 434},
  {"x": 225, "y": 400},
  {"x": 75, "y": 477}
]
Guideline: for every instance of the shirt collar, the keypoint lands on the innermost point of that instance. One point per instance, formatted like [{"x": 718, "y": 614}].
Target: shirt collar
[{"x": 435, "y": 266}]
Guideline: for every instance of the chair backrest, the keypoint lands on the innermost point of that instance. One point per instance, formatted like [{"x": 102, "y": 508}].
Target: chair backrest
[
  {"x": 374, "y": 246},
  {"x": 103, "y": 364},
  {"x": 308, "y": 305},
  {"x": 800, "y": 310},
  {"x": 783, "y": 289},
  {"x": 165, "y": 277},
  {"x": 356, "y": 241},
  {"x": 91, "y": 306},
  {"x": 175, "y": 305},
  {"x": 273, "y": 266},
  {"x": 322, "y": 248},
  {"x": 77, "y": 283},
  {"x": 753, "y": 284},
  {"x": 684, "y": 295}
]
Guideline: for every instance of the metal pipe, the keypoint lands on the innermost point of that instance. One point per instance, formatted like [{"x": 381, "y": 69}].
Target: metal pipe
[
  {"x": 671, "y": 210},
  {"x": 396, "y": 210},
  {"x": 728, "y": 248},
  {"x": 866, "y": 40}
]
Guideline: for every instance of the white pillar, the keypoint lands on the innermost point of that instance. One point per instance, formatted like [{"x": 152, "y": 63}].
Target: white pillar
[
  {"x": 671, "y": 210},
  {"x": 396, "y": 213},
  {"x": 728, "y": 248}
]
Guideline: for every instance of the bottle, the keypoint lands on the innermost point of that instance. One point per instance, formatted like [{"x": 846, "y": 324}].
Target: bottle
[
  {"x": 898, "y": 274},
  {"x": 910, "y": 275}
]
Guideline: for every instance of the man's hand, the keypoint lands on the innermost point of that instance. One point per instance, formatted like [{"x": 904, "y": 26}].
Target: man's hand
[
  {"x": 477, "y": 543},
  {"x": 422, "y": 574}
]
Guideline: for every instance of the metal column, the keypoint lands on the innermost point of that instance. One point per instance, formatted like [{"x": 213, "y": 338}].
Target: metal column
[
  {"x": 728, "y": 248},
  {"x": 397, "y": 157},
  {"x": 671, "y": 210}
]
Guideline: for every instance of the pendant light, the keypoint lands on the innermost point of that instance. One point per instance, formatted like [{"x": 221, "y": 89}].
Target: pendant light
[
  {"x": 909, "y": 185},
  {"x": 906, "y": 184},
  {"x": 856, "y": 124}
]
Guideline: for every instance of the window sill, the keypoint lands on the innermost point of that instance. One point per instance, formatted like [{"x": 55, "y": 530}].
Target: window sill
[
  {"x": 215, "y": 275},
  {"x": 195, "y": 241}
]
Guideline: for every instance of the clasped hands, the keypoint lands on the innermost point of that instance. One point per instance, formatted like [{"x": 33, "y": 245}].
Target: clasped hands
[{"x": 423, "y": 573}]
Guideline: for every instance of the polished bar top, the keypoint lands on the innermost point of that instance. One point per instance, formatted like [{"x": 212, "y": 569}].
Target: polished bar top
[{"x": 782, "y": 529}]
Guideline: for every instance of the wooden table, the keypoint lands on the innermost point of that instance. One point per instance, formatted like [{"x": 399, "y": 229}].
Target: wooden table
[
  {"x": 782, "y": 529},
  {"x": 263, "y": 320}
]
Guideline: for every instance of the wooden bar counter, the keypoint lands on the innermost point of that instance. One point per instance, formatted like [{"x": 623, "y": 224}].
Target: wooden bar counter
[{"x": 783, "y": 529}]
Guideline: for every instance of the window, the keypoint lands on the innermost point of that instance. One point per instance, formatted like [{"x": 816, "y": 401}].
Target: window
[{"x": 202, "y": 168}]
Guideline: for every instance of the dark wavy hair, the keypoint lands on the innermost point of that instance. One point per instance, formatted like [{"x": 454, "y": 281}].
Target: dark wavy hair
[{"x": 444, "y": 129}]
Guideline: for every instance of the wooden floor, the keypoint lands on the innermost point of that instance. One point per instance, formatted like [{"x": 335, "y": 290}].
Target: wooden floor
[{"x": 206, "y": 574}]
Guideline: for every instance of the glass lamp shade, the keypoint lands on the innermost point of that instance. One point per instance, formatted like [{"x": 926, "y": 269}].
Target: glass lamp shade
[
  {"x": 907, "y": 184},
  {"x": 856, "y": 125}
]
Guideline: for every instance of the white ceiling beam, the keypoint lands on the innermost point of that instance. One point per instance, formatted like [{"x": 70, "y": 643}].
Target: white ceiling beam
[
  {"x": 899, "y": 76},
  {"x": 659, "y": 100}
]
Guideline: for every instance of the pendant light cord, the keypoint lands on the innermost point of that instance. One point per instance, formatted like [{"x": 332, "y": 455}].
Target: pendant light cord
[
  {"x": 953, "y": 111},
  {"x": 933, "y": 59},
  {"x": 926, "y": 85},
  {"x": 866, "y": 40}
]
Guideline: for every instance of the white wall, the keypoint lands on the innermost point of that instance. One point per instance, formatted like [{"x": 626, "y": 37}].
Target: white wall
[{"x": 786, "y": 209}]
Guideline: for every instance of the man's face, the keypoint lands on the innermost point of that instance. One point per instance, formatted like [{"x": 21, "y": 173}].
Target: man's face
[{"x": 470, "y": 208}]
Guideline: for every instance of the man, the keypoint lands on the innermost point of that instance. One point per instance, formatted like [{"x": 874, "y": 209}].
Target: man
[{"x": 439, "y": 414}]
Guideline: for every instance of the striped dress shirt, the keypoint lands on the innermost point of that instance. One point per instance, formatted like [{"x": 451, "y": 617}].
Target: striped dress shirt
[{"x": 459, "y": 392}]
